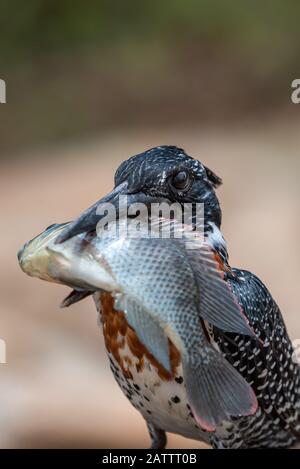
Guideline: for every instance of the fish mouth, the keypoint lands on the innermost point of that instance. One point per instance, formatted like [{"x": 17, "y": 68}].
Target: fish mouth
[
  {"x": 32, "y": 255},
  {"x": 21, "y": 252}
]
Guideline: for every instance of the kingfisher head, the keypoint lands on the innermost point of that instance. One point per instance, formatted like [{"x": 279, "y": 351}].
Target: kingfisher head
[{"x": 161, "y": 174}]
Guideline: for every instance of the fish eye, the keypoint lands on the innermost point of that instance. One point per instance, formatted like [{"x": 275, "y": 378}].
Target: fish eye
[{"x": 181, "y": 180}]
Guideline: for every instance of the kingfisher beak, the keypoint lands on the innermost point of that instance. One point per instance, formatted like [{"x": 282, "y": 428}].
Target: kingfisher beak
[{"x": 88, "y": 220}]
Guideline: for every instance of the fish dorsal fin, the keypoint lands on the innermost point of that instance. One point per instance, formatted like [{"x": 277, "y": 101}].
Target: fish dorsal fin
[{"x": 148, "y": 330}]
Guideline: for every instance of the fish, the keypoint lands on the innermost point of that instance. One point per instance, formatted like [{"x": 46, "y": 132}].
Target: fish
[{"x": 167, "y": 288}]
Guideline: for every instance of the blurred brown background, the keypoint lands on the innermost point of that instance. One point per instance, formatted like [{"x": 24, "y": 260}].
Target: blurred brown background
[{"x": 89, "y": 84}]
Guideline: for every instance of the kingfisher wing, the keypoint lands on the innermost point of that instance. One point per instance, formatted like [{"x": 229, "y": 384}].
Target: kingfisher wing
[{"x": 269, "y": 366}]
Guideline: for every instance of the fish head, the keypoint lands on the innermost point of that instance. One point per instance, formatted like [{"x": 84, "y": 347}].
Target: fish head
[
  {"x": 78, "y": 263},
  {"x": 34, "y": 256}
]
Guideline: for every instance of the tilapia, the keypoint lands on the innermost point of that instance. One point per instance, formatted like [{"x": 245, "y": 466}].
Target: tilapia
[{"x": 166, "y": 291}]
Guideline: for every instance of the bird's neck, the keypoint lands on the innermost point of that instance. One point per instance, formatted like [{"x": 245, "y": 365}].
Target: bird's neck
[{"x": 216, "y": 240}]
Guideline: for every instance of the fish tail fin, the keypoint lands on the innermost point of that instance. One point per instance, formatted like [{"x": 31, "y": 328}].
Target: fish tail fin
[{"x": 217, "y": 392}]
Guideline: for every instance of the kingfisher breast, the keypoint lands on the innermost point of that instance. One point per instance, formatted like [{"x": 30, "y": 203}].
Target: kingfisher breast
[
  {"x": 123, "y": 344},
  {"x": 159, "y": 395}
]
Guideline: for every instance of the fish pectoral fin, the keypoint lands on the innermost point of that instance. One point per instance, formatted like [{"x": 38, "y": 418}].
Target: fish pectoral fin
[
  {"x": 147, "y": 328},
  {"x": 74, "y": 297},
  {"x": 220, "y": 308},
  {"x": 218, "y": 304},
  {"x": 217, "y": 392}
]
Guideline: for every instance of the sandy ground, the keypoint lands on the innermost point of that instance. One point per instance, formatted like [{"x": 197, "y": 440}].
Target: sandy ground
[{"x": 56, "y": 388}]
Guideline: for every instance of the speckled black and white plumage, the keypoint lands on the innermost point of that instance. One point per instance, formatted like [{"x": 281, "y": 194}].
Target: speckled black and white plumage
[{"x": 269, "y": 368}]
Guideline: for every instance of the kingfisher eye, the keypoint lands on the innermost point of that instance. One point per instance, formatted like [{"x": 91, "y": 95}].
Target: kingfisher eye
[{"x": 181, "y": 180}]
